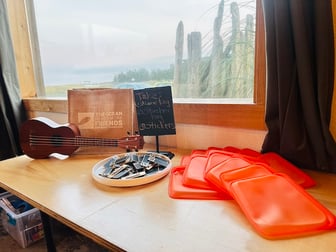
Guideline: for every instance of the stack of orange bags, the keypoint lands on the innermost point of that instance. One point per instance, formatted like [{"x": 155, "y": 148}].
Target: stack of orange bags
[{"x": 268, "y": 189}]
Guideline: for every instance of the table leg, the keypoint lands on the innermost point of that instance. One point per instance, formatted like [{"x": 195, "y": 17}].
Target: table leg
[{"x": 47, "y": 232}]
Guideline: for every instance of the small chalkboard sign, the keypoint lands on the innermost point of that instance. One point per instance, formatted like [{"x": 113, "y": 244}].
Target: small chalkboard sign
[{"x": 154, "y": 108}]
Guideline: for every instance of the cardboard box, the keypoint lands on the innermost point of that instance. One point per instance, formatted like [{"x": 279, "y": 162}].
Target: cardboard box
[
  {"x": 102, "y": 113},
  {"x": 25, "y": 227}
]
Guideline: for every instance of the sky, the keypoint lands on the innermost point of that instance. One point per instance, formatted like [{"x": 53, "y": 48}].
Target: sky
[{"x": 80, "y": 35}]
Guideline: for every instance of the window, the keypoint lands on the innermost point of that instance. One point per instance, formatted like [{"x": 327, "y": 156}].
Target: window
[
  {"x": 237, "y": 114},
  {"x": 131, "y": 44}
]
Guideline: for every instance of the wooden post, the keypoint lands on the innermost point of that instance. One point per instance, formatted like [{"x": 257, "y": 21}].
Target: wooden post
[
  {"x": 216, "y": 55},
  {"x": 194, "y": 61},
  {"x": 231, "y": 66},
  {"x": 177, "y": 83},
  {"x": 248, "y": 58}
]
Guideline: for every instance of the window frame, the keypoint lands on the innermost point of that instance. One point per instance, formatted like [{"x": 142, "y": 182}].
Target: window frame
[{"x": 246, "y": 116}]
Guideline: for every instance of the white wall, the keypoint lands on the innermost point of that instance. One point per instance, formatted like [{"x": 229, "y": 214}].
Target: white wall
[{"x": 189, "y": 136}]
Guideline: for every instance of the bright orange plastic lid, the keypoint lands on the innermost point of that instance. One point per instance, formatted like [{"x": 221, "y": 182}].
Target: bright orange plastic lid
[
  {"x": 277, "y": 163},
  {"x": 193, "y": 174},
  {"x": 213, "y": 175},
  {"x": 281, "y": 165},
  {"x": 277, "y": 207},
  {"x": 215, "y": 158},
  {"x": 250, "y": 171},
  {"x": 185, "y": 160},
  {"x": 177, "y": 190}
]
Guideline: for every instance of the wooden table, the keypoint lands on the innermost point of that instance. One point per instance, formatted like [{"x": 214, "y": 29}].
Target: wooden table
[{"x": 144, "y": 218}]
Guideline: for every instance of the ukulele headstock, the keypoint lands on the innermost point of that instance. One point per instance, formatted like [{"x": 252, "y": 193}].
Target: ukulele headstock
[{"x": 131, "y": 142}]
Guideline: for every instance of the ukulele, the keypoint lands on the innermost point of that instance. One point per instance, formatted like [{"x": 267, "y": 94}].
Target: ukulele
[{"x": 40, "y": 137}]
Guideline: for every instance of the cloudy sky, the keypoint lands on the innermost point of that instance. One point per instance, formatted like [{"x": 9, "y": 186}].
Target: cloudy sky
[{"x": 82, "y": 34}]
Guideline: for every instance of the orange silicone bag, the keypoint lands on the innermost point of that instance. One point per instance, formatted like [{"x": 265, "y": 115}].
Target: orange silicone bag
[
  {"x": 250, "y": 171},
  {"x": 279, "y": 208},
  {"x": 177, "y": 190},
  {"x": 277, "y": 163},
  {"x": 193, "y": 174},
  {"x": 215, "y": 157},
  {"x": 185, "y": 160},
  {"x": 213, "y": 175},
  {"x": 281, "y": 165}
]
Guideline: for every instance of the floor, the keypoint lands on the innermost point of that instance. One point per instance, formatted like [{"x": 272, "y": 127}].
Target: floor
[{"x": 66, "y": 240}]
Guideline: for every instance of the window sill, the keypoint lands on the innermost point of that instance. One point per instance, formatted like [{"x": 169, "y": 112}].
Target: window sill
[{"x": 245, "y": 116}]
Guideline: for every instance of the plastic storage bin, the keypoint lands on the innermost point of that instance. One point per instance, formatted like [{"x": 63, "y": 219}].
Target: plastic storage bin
[{"x": 26, "y": 226}]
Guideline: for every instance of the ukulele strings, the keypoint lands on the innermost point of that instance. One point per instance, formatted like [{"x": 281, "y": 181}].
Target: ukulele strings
[{"x": 72, "y": 141}]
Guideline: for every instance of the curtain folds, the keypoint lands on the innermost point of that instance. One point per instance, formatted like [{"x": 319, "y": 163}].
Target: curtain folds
[
  {"x": 300, "y": 82},
  {"x": 12, "y": 112}
]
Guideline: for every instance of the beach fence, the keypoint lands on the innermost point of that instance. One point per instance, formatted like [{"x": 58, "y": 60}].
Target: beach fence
[{"x": 220, "y": 67}]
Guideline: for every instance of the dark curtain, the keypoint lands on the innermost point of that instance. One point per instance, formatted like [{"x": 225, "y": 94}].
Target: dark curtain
[
  {"x": 300, "y": 82},
  {"x": 12, "y": 112}
]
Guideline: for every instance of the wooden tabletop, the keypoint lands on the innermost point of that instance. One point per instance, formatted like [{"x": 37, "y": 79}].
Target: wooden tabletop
[{"x": 145, "y": 218}]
